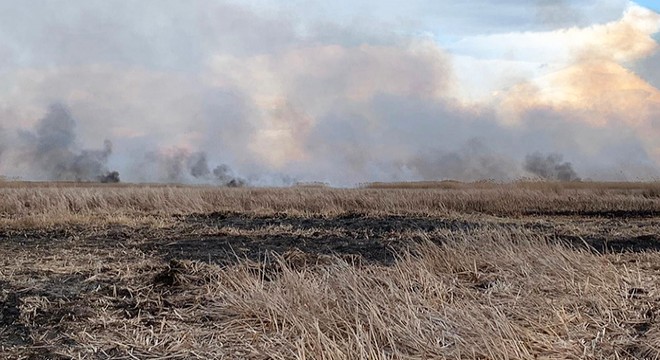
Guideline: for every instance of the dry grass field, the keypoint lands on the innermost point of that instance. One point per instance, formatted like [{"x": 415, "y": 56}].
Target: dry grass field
[{"x": 446, "y": 270}]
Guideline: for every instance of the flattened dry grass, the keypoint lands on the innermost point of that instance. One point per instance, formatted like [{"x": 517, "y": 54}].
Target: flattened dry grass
[{"x": 481, "y": 295}]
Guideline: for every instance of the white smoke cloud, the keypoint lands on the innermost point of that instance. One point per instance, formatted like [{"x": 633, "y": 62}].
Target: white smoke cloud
[{"x": 276, "y": 92}]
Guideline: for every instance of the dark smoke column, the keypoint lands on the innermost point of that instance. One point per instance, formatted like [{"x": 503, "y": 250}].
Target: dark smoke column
[
  {"x": 51, "y": 151},
  {"x": 550, "y": 167}
]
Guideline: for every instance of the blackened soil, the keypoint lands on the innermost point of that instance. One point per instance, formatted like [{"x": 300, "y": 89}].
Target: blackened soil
[
  {"x": 610, "y": 214},
  {"x": 12, "y": 331},
  {"x": 369, "y": 238},
  {"x": 372, "y": 239},
  {"x": 230, "y": 249},
  {"x": 352, "y": 222},
  {"x": 617, "y": 245}
]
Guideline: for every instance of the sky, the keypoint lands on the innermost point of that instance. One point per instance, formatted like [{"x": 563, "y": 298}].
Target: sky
[
  {"x": 650, "y": 4},
  {"x": 345, "y": 92}
]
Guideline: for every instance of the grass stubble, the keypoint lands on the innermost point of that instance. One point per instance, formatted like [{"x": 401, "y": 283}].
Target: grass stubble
[{"x": 452, "y": 271}]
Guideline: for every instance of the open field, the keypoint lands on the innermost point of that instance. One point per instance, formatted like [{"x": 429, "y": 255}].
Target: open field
[{"x": 407, "y": 271}]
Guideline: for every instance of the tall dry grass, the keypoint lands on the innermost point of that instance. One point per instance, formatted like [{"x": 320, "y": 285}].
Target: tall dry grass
[{"x": 504, "y": 199}]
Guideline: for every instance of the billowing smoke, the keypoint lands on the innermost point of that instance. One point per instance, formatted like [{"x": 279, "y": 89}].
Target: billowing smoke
[
  {"x": 171, "y": 166},
  {"x": 181, "y": 166},
  {"x": 225, "y": 176},
  {"x": 550, "y": 167},
  {"x": 110, "y": 178},
  {"x": 471, "y": 162},
  {"x": 270, "y": 92},
  {"x": 199, "y": 166},
  {"x": 221, "y": 174},
  {"x": 51, "y": 152}
]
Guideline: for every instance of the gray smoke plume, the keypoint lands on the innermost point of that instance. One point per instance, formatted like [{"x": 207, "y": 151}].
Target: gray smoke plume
[
  {"x": 550, "y": 167},
  {"x": 224, "y": 175},
  {"x": 51, "y": 151},
  {"x": 110, "y": 178},
  {"x": 181, "y": 166},
  {"x": 199, "y": 165},
  {"x": 170, "y": 167},
  {"x": 473, "y": 161}
]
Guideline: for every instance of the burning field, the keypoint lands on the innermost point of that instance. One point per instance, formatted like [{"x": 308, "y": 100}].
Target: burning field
[
  {"x": 392, "y": 271},
  {"x": 480, "y": 179}
]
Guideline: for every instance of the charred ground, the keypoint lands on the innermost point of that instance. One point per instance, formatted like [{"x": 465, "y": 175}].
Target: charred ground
[{"x": 88, "y": 283}]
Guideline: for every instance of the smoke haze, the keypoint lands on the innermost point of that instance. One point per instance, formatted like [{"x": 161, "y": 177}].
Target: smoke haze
[
  {"x": 178, "y": 165},
  {"x": 270, "y": 93}
]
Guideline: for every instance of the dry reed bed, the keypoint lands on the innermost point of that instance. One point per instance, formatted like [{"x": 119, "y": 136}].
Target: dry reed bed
[{"x": 504, "y": 200}]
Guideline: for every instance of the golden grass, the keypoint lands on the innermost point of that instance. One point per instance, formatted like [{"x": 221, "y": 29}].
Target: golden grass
[
  {"x": 74, "y": 199},
  {"x": 89, "y": 272}
]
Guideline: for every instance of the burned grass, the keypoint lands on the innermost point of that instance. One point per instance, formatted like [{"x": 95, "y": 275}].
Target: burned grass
[{"x": 268, "y": 280}]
